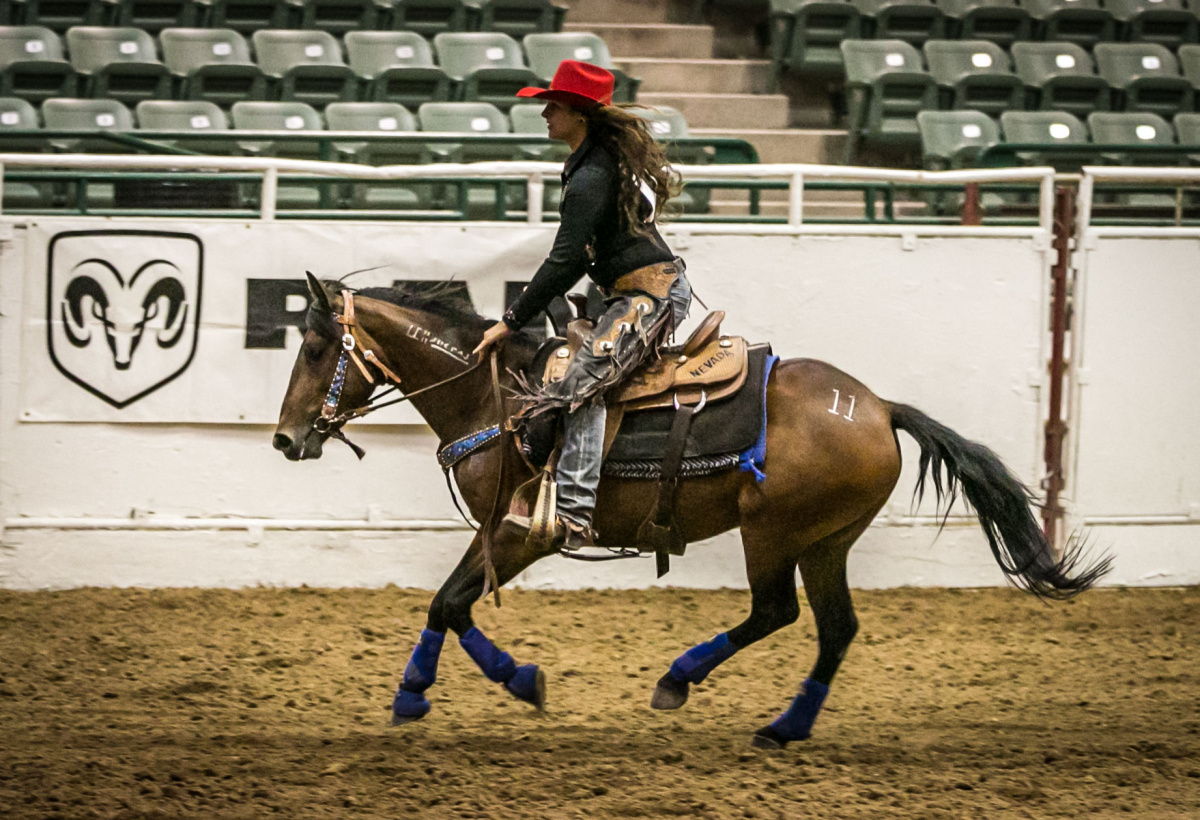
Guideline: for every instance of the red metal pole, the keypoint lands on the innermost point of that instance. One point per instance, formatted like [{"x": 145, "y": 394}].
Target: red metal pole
[
  {"x": 971, "y": 214},
  {"x": 1056, "y": 427}
]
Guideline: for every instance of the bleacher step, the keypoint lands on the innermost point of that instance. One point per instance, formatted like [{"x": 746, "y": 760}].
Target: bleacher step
[
  {"x": 724, "y": 110},
  {"x": 717, "y": 76},
  {"x": 781, "y": 145},
  {"x": 630, "y": 11},
  {"x": 651, "y": 39}
]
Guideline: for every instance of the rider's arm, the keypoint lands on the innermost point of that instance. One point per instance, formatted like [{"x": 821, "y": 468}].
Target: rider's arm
[{"x": 582, "y": 208}]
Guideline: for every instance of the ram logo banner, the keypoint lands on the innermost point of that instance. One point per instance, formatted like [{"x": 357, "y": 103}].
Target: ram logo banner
[{"x": 123, "y": 309}]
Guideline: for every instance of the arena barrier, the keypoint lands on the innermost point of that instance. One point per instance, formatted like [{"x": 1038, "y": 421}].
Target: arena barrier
[{"x": 161, "y": 472}]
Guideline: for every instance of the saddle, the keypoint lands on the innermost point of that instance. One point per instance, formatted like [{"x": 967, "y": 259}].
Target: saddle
[{"x": 667, "y": 391}]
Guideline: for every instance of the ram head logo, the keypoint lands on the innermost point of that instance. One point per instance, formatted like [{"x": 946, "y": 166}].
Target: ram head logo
[{"x": 123, "y": 310}]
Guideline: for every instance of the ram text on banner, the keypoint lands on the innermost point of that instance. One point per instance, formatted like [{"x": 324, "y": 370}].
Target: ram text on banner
[{"x": 147, "y": 321}]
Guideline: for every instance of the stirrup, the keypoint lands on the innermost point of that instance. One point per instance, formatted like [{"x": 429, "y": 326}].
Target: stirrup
[{"x": 561, "y": 535}]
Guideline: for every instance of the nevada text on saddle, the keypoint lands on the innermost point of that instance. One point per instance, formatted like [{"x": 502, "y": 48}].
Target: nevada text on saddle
[{"x": 715, "y": 435}]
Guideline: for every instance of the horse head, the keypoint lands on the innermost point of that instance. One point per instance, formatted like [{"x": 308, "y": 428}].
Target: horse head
[{"x": 297, "y": 435}]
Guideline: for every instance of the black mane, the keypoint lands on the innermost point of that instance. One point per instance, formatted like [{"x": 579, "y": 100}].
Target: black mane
[{"x": 446, "y": 300}]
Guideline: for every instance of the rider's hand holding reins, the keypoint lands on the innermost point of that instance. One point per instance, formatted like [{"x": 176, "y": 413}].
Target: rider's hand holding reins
[{"x": 492, "y": 335}]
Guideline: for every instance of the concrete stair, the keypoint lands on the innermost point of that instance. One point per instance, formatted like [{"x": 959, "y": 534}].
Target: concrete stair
[
  {"x": 651, "y": 39},
  {"x": 654, "y": 40},
  {"x": 699, "y": 75}
]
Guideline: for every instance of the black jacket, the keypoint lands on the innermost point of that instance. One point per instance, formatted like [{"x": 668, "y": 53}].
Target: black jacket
[{"x": 590, "y": 230}]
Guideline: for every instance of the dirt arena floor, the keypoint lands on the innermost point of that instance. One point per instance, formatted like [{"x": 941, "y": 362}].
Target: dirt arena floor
[{"x": 955, "y": 704}]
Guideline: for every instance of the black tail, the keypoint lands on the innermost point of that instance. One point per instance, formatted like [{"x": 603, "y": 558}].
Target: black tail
[{"x": 1002, "y": 504}]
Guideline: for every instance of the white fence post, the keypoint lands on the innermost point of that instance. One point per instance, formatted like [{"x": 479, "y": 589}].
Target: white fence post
[
  {"x": 270, "y": 190},
  {"x": 796, "y": 199},
  {"x": 535, "y": 187}
]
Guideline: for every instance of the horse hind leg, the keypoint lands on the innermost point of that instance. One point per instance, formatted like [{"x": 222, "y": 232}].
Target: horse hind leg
[
  {"x": 823, "y": 571},
  {"x": 773, "y": 605}
]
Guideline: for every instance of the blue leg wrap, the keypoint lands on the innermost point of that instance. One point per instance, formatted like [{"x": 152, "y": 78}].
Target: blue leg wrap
[
  {"x": 796, "y": 723},
  {"x": 419, "y": 675},
  {"x": 498, "y": 666},
  {"x": 694, "y": 665},
  {"x": 523, "y": 684},
  {"x": 421, "y": 672}
]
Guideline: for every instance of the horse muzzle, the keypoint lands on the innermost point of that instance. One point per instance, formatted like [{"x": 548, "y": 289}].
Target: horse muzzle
[{"x": 305, "y": 445}]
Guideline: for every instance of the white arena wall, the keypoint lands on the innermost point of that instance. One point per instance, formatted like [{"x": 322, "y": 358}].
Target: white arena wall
[{"x": 181, "y": 487}]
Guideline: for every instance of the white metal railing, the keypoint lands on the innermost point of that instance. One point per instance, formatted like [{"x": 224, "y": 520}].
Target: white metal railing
[
  {"x": 534, "y": 173},
  {"x": 1093, "y": 174}
]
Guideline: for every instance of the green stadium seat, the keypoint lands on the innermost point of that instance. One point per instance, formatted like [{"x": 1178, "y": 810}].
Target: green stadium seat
[
  {"x": 806, "y": 35},
  {"x": 18, "y": 115},
  {"x": 489, "y": 66},
  {"x": 118, "y": 63},
  {"x": 1147, "y": 75},
  {"x": 546, "y": 51},
  {"x": 1083, "y": 22},
  {"x": 1061, "y": 77},
  {"x": 1051, "y": 128},
  {"x": 198, "y": 116},
  {"x": 152, "y": 16},
  {"x": 1167, "y": 22},
  {"x": 180, "y": 115},
  {"x": 61, "y": 114},
  {"x": 60, "y": 15},
  {"x": 516, "y": 18},
  {"x": 341, "y": 16},
  {"x": 249, "y": 16},
  {"x": 306, "y": 66},
  {"x": 974, "y": 74},
  {"x": 369, "y": 116},
  {"x": 1189, "y": 63},
  {"x": 953, "y": 139},
  {"x": 380, "y": 117},
  {"x": 212, "y": 64},
  {"x": 1187, "y": 128},
  {"x": 1003, "y": 22},
  {"x": 295, "y": 117},
  {"x": 32, "y": 65},
  {"x": 473, "y": 119},
  {"x": 1130, "y": 128},
  {"x": 430, "y": 17},
  {"x": 913, "y": 21},
  {"x": 398, "y": 67},
  {"x": 885, "y": 88}
]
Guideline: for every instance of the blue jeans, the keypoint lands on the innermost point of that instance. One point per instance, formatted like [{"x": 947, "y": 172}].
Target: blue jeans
[{"x": 578, "y": 471}]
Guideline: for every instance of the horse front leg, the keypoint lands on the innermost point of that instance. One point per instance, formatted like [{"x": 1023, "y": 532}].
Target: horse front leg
[{"x": 451, "y": 609}]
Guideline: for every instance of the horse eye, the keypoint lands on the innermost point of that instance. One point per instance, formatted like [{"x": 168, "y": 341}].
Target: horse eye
[{"x": 313, "y": 353}]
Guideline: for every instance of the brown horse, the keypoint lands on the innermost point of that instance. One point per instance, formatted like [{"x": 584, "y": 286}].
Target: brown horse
[{"x": 827, "y": 476}]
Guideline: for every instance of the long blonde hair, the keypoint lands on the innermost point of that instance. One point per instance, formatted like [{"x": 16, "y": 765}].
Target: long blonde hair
[{"x": 639, "y": 159}]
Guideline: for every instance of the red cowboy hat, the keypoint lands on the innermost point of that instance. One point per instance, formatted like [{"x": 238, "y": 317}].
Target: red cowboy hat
[{"x": 580, "y": 85}]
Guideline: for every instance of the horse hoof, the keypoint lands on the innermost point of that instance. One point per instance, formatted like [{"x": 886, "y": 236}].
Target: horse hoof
[
  {"x": 669, "y": 693},
  {"x": 401, "y": 720},
  {"x": 529, "y": 685},
  {"x": 768, "y": 738}
]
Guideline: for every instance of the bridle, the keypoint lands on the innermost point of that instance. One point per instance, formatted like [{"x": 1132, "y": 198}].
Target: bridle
[{"x": 330, "y": 421}]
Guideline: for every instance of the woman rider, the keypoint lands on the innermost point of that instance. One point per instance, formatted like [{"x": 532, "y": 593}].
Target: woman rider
[{"x": 615, "y": 183}]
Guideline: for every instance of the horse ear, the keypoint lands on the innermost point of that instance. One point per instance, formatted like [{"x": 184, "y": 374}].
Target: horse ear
[{"x": 319, "y": 296}]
